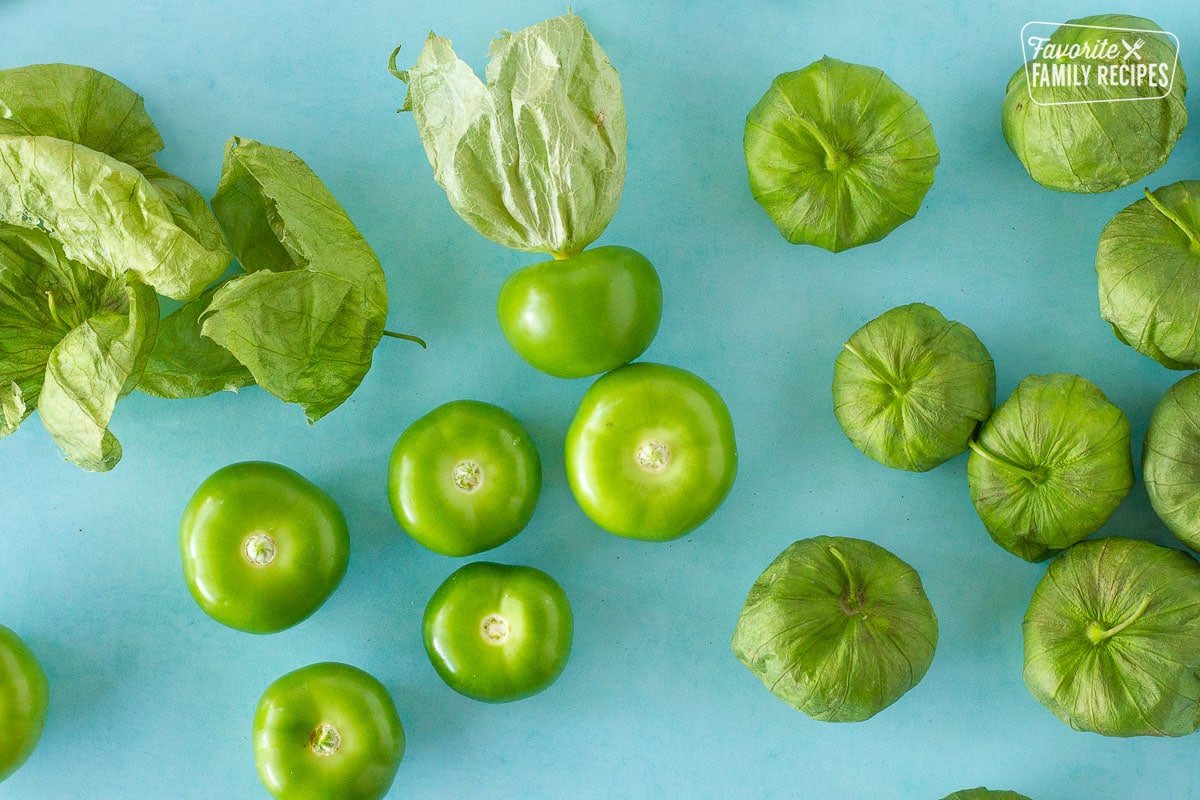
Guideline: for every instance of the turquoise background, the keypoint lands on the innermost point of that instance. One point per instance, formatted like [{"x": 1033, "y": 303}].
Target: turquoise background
[{"x": 152, "y": 699}]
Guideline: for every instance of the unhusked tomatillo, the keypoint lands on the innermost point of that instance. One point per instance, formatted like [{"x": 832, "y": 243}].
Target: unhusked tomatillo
[
  {"x": 1146, "y": 263},
  {"x": 1112, "y": 639},
  {"x": 838, "y": 628},
  {"x": 1050, "y": 466},
  {"x": 1096, "y": 135},
  {"x": 838, "y": 154},
  {"x": 1171, "y": 460},
  {"x": 910, "y": 387}
]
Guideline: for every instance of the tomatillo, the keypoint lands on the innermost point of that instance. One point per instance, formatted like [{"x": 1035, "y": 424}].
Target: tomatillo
[
  {"x": 650, "y": 453},
  {"x": 498, "y": 633},
  {"x": 327, "y": 732},
  {"x": 582, "y": 315},
  {"x": 24, "y": 698},
  {"x": 263, "y": 547},
  {"x": 464, "y": 478}
]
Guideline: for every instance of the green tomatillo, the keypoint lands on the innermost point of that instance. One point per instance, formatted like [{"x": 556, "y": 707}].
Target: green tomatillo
[
  {"x": 498, "y": 633},
  {"x": 464, "y": 478},
  {"x": 582, "y": 315},
  {"x": 24, "y": 697},
  {"x": 327, "y": 732},
  {"x": 263, "y": 547},
  {"x": 651, "y": 452},
  {"x": 985, "y": 794}
]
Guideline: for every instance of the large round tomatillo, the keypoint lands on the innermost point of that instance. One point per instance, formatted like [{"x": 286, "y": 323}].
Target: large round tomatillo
[
  {"x": 1110, "y": 639},
  {"x": 838, "y": 628},
  {"x": 651, "y": 453},
  {"x": 1050, "y": 465},
  {"x": 464, "y": 478},
  {"x": 327, "y": 732},
  {"x": 1169, "y": 464},
  {"x": 498, "y": 633},
  {"x": 263, "y": 547},
  {"x": 1100, "y": 134},
  {"x": 582, "y": 315},
  {"x": 838, "y": 154},
  {"x": 24, "y": 698}
]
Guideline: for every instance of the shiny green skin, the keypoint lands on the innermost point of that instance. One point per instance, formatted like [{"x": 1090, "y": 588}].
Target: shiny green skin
[
  {"x": 582, "y": 315},
  {"x": 624, "y": 410},
  {"x": 310, "y": 534},
  {"x": 431, "y": 506},
  {"x": 24, "y": 697},
  {"x": 357, "y": 706},
  {"x": 528, "y": 659},
  {"x": 985, "y": 794}
]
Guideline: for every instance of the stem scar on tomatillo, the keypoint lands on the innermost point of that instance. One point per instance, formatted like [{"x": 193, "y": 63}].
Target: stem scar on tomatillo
[
  {"x": 650, "y": 453},
  {"x": 354, "y": 742},
  {"x": 498, "y": 633},
  {"x": 464, "y": 478},
  {"x": 235, "y": 529}
]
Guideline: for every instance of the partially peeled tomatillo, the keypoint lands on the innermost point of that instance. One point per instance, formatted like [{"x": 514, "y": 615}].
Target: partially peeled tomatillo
[
  {"x": 584, "y": 314},
  {"x": 498, "y": 633},
  {"x": 327, "y": 732},
  {"x": 263, "y": 547},
  {"x": 464, "y": 478},
  {"x": 651, "y": 453}
]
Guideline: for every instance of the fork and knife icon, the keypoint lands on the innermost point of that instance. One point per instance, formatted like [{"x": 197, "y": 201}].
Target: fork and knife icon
[{"x": 1131, "y": 50}]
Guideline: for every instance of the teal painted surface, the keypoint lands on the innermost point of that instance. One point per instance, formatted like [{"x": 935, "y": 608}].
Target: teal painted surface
[{"x": 152, "y": 699}]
